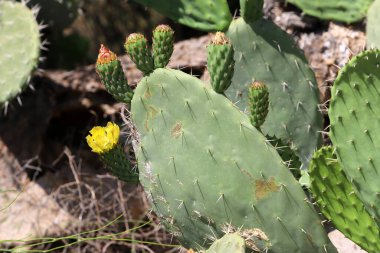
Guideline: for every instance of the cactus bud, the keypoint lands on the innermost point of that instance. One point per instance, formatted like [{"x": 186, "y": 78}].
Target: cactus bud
[
  {"x": 220, "y": 62},
  {"x": 138, "y": 49},
  {"x": 104, "y": 142},
  {"x": 163, "y": 45},
  {"x": 258, "y": 99},
  {"x": 112, "y": 76}
]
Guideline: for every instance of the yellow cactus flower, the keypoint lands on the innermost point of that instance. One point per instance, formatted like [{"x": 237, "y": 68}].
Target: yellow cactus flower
[{"x": 103, "y": 139}]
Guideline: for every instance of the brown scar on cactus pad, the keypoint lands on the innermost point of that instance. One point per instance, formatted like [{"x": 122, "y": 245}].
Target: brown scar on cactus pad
[
  {"x": 177, "y": 130},
  {"x": 265, "y": 187}
]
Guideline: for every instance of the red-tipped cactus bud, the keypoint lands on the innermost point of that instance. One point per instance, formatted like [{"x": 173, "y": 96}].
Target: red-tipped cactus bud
[{"x": 112, "y": 76}]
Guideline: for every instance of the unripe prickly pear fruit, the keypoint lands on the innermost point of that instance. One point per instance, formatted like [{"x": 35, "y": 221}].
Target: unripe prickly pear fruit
[
  {"x": 258, "y": 99},
  {"x": 163, "y": 45},
  {"x": 138, "y": 49},
  {"x": 112, "y": 76},
  {"x": 220, "y": 62},
  {"x": 105, "y": 142}
]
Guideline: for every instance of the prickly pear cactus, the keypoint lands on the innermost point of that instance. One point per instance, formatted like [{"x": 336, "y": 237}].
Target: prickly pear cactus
[
  {"x": 348, "y": 11},
  {"x": 263, "y": 52},
  {"x": 230, "y": 243},
  {"x": 372, "y": 28},
  {"x": 339, "y": 203},
  {"x": 207, "y": 15},
  {"x": 354, "y": 112},
  {"x": 19, "y": 48},
  {"x": 258, "y": 101},
  {"x": 205, "y": 167}
]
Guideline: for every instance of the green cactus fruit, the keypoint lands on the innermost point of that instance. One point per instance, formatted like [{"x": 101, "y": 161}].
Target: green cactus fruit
[
  {"x": 105, "y": 142},
  {"x": 205, "y": 168},
  {"x": 163, "y": 45},
  {"x": 19, "y": 48},
  {"x": 372, "y": 28},
  {"x": 112, "y": 75},
  {"x": 138, "y": 50},
  {"x": 336, "y": 197},
  {"x": 206, "y": 15},
  {"x": 354, "y": 116},
  {"x": 258, "y": 101},
  {"x": 220, "y": 62},
  {"x": 266, "y": 53},
  {"x": 251, "y": 10},
  {"x": 229, "y": 243},
  {"x": 339, "y": 10}
]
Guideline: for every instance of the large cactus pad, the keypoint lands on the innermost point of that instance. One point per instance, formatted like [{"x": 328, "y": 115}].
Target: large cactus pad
[
  {"x": 341, "y": 10},
  {"x": 19, "y": 48},
  {"x": 355, "y": 126},
  {"x": 206, "y": 167},
  {"x": 264, "y": 53},
  {"x": 207, "y": 15}
]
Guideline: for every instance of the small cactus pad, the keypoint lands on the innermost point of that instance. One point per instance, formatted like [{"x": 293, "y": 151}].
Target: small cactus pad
[
  {"x": 220, "y": 62},
  {"x": 112, "y": 76},
  {"x": 19, "y": 48},
  {"x": 372, "y": 27},
  {"x": 265, "y": 53},
  {"x": 207, "y": 15},
  {"x": 163, "y": 44},
  {"x": 251, "y": 10},
  {"x": 335, "y": 196},
  {"x": 348, "y": 11},
  {"x": 258, "y": 101},
  {"x": 355, "y": 126},
  {"x": 230, "y": 243},
  {"x": 205, "y": 167},
  {"x": 138, "y": 50}
]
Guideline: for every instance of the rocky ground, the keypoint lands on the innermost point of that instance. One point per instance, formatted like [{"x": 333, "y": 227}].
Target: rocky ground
[{"x": 51, "y": 184}]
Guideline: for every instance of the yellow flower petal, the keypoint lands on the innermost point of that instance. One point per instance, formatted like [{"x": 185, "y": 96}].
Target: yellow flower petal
[{"x": 103, "y": 139}]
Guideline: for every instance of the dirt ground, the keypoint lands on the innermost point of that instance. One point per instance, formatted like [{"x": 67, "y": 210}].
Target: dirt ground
[{"x": 52, "y": 185}]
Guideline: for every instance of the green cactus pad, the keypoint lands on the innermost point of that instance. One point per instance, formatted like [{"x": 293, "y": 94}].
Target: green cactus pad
[
  {"x": 348, "y": 11},
  {"x": 206, "y": 15},
  {"x": 251, "y": 10},
  {"x": 19, "y": 48},
  {"x": 372, "y": 28},
  {"x": 258, "y": 101},
  {"x": 205, "y": 167},
  {"x": 112, "y": 75},
  {"x": 230, "y": 243},
  {"x": 355, "y": 126},
  {"x": 265, "y": 53},
  {"x": 163, "y": 45},
  {"x": 220, "y": 62},
  {"x": 339, "y": 203},
  {"x": 138, "y": 50}
]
